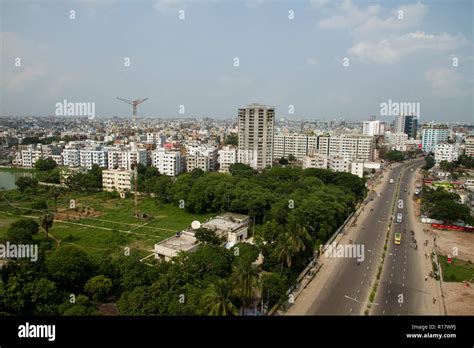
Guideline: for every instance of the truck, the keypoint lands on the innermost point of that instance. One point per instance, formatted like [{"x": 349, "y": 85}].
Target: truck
[
  {"x": 399, "y": 217},
  {"x": 391, "y": 181}
]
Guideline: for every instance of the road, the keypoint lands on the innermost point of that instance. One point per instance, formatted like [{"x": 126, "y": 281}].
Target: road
[
  {"x": 346, "y": 290},
  {"x": 403, "y": 289}
]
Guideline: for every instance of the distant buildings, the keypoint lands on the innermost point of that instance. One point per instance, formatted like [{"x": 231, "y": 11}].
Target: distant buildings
[
  {"x": 255, "y": 132},
  {"x": 433, "y": 134},
  {"x": 469, "y": 146}
]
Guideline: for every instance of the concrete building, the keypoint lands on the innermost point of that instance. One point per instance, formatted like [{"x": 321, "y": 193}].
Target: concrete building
[
  {"x": 357, "y": 168},
  {"x": 446, "y": 152},
  {"x": 338, "y": 163},
  {"x": 349, "y": 146},
  {"x": 117, "y": 180},
  {"x": 89, "y": 157},
  {"x": 71, "y": 157},
  {"x": 397, "y": 141},
  {"x": 371, "y": 128},
  {"x": 433, "y": 134},
  {"x": 126, "y": 158},
  {"x": 226, "y": 156},
  {"x": 232, "y": 227},
  {"x": 315, "y": 161},
  {"x": 469, "y": 146},
  {"x": 202, "y": 157},
  {"x": 255, "y": 136},
  {"x": 407, "y": 124},
  {"x": 298, "y": 145},
  {"x": 167, "y": 162}
]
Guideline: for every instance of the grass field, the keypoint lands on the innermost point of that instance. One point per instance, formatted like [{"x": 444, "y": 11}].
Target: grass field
[
  {"x": 457, "y": 271},
  {"x": 109, "y": 233}
]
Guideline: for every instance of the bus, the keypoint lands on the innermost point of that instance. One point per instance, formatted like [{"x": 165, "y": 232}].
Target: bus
[{"x": 398, "y": 238}]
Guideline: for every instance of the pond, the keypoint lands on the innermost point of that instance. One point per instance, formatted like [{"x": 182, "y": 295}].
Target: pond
[{"x": 7, "y": 179}]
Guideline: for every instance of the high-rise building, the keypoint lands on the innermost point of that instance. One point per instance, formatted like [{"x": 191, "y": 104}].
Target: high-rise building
[
  {"x": 373, "y": 127},
  {"x": 256, "y": 128},
  {"x": 469, "y": 147},
  {"x": 167, "y": 162},
  {"x": 406, "y": 124},
  {"x": 433, "y": 134}
]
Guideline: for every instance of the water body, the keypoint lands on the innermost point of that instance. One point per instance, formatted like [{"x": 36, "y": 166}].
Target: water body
[{"x": 7, "y": 179}]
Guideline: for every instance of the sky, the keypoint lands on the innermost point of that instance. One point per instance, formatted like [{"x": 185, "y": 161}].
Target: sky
[{"x": 312, "y": 59}]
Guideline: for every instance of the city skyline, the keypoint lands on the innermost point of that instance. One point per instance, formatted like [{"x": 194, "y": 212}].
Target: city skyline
[{"x": 290, "y": 55}]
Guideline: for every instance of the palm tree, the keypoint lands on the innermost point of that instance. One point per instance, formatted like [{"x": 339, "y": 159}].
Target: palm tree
[
  {"x": 46, "y": 222},
  {"x": 245, "y": 278},
  {"x": 291, "y": 243},
  {"x": 217, "y": 299},
  {"x": 284, "y": 252}
]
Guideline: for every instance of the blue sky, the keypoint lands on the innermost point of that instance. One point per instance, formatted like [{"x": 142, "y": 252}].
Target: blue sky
[{"x": 283, "y": 61}]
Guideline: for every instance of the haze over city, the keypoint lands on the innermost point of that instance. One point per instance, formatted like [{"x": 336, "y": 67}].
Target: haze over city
[{"x": 338, "y": 59}]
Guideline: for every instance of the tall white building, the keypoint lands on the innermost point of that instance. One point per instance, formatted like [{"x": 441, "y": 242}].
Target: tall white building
[
  {"x": 398, "y": 141},
  {"x": 126, "y": 158},
  {"x": 89, "y": 157},
  {"x": 71, "y": 157},
  {"x": 446, "y": 152},
  {"x": 256, "y": 129},
  {"x": 226, "y": 156},
  {"x": 167, "y": 162},
  {"x": 373, "y": 128},
  {"x": 406, "y": 124},
  {"x": 349, "y": 146},
  {"x": 433, "y": 134},
  {"x": 298, "y": 145}
]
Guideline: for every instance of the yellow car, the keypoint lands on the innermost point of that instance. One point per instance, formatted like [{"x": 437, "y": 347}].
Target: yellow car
[{"x": 398, "y": 238}]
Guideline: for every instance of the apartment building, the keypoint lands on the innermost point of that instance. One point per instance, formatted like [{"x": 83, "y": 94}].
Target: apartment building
[
  {"x": 433, "y": 134},
  {"x": 202, "y": 157},
  {"x": 349, "y": 146},
  {"x": 89, "y": 157},
  {"x": 226, "y": 156},
  {"x": 397, "y": 141},
  {"x": 167, "y": 162},
  {"x": 469, "y": 146},
  {"x": 316, "y": 160},
  {"x": 446, "y": 152},
  {"x": 298, "y": 145},
  {"x": 71, "y": 157},
  {"x": 255, "y": 135},
  {"x": 338, "y": 163},
  {"x": 126, "y": 158},
  {"x": 119, "y": 180},
  {"x": 374, "y": 127}
]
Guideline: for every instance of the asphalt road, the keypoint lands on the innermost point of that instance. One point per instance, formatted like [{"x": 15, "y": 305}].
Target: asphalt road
[
  {"x": 347, "y": 291},
  {"x": 402, "y": 288}
]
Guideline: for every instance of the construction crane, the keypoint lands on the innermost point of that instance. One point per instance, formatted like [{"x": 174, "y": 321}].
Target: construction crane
[{"x": 134, "y": 103}]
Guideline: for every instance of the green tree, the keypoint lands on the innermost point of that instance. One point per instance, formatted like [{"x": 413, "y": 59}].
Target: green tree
[
  {"x": 218, "y": 299},
  {"x": 25, "y": 183},
  {"x": 22, "y": 231},
  {"x": 98, "y": 287},
  {"x": 45, "y": 164},
  {"x": 69, "y": 266},
  {"x": 46, "y": 221},
  {"x": 205, "y": 236},
  {"x": 283, "y": 161},
  {"x": 232, "y": 139},
  {"x": 274, "y": 287},
  {"x": 245, "y": 278},
  {"x": 429, "y": 163},
  {"x": 395, "y": 156}
]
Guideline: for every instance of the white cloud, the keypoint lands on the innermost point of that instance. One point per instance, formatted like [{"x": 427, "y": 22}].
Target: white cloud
[
  {"x": 349, "y": 16},
  {"x": 393, "y": 49},
  {"x": 448, "y": 82},
  {"x": 319, "y": 3}
]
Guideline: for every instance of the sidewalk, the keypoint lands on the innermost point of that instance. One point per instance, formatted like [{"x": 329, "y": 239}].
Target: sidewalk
[{"x": 422, "y": 233}]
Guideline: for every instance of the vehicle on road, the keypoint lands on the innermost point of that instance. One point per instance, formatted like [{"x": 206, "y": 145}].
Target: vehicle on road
[
  {"x": 411, "y": 170},
  {"x": 391, "y": 181},
  {"x": 399, "y": 217},
  {"x": 398, "y": 238}
]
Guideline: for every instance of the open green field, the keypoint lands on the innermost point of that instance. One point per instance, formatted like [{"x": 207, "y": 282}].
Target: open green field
[
  {"x": 457, "y": 271},
  {"x": 109, "y": 233}
]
